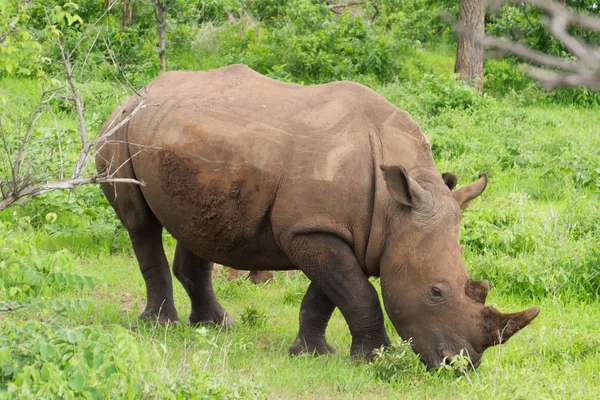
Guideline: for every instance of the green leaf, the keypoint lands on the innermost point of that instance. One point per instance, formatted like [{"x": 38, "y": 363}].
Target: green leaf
[
  {"x": 45, "y": 372},
  {"x": 68, "y": 278},
  {"x": 77, "y": 381},
  {"x": 47, "y": 351},
  {"x": 79, "y": 281},
  {"x": 71, "y": 337},
  {"x": 111, "y": 369},
  {"x": 95, "y": 393},
  {"x": 98, "y": 360},
  {"x": 89, "y": 281}
]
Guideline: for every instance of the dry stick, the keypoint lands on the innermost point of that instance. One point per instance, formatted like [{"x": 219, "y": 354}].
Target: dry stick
[
  {"x": 85, "y": 144},
  {"x": 118, "y": 66},
  {"x": 60, "y": 152},
  {"x": 20, "y": 158},
  {"x": 89, "y": 52},
  {"x": 10, "y": 163},
  {"x": 66, "y": 184},
  {"x": 8, "y": 307}
]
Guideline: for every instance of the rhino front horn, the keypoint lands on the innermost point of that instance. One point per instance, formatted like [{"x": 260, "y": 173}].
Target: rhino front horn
[{"x": 500, "y": 327}]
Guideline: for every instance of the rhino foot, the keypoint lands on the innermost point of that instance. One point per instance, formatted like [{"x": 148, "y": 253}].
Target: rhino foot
[
  {"x": 222, "y": 318},
  {"x": 304, "y": 345},
  {"x": 161, "y": 317},
  {"x": 362, "y": 347}
]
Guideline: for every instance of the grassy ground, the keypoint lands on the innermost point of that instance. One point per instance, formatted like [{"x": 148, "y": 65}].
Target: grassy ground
[{"x": 533, "y": 234}]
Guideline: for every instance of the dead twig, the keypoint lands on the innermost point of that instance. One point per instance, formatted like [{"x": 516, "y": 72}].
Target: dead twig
[{"x": 12, "y": 28}]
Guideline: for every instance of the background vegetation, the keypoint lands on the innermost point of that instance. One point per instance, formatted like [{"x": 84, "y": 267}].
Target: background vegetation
[{"x": 533, "y": 233}]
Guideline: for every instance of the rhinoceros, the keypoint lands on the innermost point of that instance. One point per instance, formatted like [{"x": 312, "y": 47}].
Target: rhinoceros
[{"x": 330, "y": 179}]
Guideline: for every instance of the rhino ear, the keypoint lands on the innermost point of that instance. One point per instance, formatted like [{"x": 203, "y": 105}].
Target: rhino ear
[
  {"x": 404, "y": 189},
  {"x": 465, "y": 194},
  {"x": 477, "y": 290},
  {"x": 449, "y": 179},
  {"x": 500, "y": 327}
]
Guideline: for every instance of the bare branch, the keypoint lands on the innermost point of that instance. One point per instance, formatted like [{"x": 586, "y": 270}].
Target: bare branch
[
  {"x": 85, "y": 144},
  {"x": 68, "y": 184},
  {"x": 583, "y": 71},
  {"x": 553, "y": 79},
  {"x": 535, "y": 56},
  {"x": 118, "y": 66}
]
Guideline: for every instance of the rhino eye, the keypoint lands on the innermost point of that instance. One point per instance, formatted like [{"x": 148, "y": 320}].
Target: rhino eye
[{"x": 436, "y": 292}]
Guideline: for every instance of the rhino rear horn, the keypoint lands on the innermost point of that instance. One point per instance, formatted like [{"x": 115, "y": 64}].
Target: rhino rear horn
[
  {"x": 450, "y": 180},
  {"x": 500, "y": 327},
  {"x": 404, "y": 189},
  {"x": 465, "y": 194}
]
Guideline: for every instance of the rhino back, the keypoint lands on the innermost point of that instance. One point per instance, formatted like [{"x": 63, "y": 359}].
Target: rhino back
[{"x": 236, "y": 162}]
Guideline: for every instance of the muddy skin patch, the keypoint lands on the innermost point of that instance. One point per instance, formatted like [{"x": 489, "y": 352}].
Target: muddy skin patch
[{"x": 215, "y": 201}]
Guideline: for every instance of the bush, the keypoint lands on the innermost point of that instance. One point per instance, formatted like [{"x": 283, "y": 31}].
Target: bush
[
  {"x": 37, "y": 360},
  {"x": 310, "y": 44}
]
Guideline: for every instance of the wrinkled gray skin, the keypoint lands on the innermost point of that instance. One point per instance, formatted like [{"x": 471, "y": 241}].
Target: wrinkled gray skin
[{"x": 330, "y": 179}]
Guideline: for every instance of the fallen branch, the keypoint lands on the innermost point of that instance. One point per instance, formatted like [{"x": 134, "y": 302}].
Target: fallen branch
[{"x": 8, "y": 307}]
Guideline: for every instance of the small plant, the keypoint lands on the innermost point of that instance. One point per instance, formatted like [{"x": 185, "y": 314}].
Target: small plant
[
  {"x": 458, "y": 364},
  {"x": 393, "y": 361},
  {"x": 253, "y": 317}
]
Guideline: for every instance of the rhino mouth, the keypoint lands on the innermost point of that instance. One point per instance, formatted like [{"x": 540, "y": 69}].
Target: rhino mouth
[{"x": 445, "y": 355}]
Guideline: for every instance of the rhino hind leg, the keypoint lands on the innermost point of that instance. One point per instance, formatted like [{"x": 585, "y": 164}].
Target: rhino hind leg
[
  {"x": 315, "y": 312},
  {"x": 195, "y": 274},
  {"x": 145, "y": 232},
  {"x": 333, "y": 268}
]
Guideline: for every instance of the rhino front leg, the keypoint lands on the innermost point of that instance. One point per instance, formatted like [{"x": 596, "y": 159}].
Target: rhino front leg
[
  {"x": 195, "y": 274},
  {"x": 315, "y": 312},
  {"x": 332, "y": 267}
]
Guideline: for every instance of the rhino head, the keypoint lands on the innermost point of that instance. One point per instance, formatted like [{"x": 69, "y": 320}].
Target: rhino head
[{"x": 426, "y": 289}]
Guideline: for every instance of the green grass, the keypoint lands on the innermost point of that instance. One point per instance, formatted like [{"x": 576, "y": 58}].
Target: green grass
[{"x": 533, "y": 234}]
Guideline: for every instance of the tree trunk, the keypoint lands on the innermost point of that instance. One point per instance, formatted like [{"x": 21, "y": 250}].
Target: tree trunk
[
  {"x": 159, "y": 13},
  {"x": 128, "y": 13},
  {"x": 469, "y": 55}
]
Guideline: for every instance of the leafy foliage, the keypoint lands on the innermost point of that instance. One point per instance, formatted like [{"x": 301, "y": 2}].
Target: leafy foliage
[
  {"x": 394, "y": 361},
  {"x": 37, "y": 360},
  {"x": 533, "y": 234}
]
